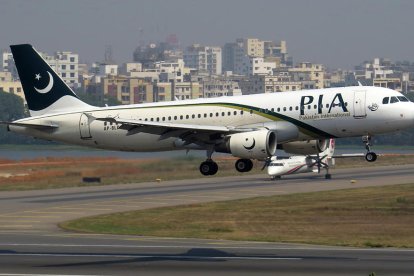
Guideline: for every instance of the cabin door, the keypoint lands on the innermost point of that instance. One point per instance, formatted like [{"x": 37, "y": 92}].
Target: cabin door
[
  {"x": 359, "y": 104},
  {"x": 84, "y": 127}
]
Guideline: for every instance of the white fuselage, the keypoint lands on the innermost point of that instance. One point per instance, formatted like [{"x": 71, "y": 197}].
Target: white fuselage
[
  {"x": 291, "y": 165},
  {"x": 302, "y": 115}
]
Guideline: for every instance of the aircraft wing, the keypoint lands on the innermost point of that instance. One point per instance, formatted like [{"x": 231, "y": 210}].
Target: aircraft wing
[
  {"x": 188, "y": 132},
  {"x": 37, "y": 126}
]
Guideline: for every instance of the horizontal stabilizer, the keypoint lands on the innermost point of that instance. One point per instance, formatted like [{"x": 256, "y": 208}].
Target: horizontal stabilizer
[{"x": 38, "y": 126}]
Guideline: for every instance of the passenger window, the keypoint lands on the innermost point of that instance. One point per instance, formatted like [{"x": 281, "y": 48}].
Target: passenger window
[
  {"x": 385, "y": 100},
  {"x": 278, "y": 109},
  {"x": 199, "y": 115},
  {"x": 205, "y": 115},
  {"x": 193, "y": 116},
  {"x": 235, "y": 112},
  {"x": 273, "y": 110},
  {"x": 175, "y": 117},
  {"x": 163, "y": 118},
  {"x": 217, "y": 114},
  {"x": 297, "y": 108},
  {"x": 290, "y": 108},
  {"x": 223, "y": 114},
  {"x": 187, "y": 117},
  {"x": 181, "y": 117},
  {"x": 228, "y": 113},
  {"x": 241, "y": 112},
  {"x": 403, "y": 99},
  {"x": 169, "y": 118},
  {"x": 284, "y": 109},
  {"x": 394, "y": 100}
]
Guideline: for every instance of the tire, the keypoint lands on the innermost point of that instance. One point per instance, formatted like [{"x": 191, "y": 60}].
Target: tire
[
  {"x": 371, "y": 157},
  {"x": 328, "y": 176},
  {"x": 243, "y": 165},
  {"x": 208, "y": 168}
]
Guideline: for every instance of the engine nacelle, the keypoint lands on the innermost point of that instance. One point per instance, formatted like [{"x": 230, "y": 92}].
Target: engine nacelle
[
  {"x": 306, "y": 147},
  {"x": 258, "y": 144}
]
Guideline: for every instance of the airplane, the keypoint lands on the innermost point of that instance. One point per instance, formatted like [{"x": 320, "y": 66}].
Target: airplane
[
  {"x": 277, "y": 166},
  {"x": 248, "y": 127}
]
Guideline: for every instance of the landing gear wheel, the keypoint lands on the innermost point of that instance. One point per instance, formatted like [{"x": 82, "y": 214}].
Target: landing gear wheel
[
  {"x": 371, "y": 156},
  {"x": 208, "y": 168},
  {"x": 276, "y": 177},
  {"x": 244, "y": 165},
  {"x": 328, "y": 176}
]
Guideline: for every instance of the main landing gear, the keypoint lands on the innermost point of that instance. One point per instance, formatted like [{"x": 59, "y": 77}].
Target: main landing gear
[
  {"x": 370, "y": 156},
  {"x": 243, "y": 165},
  {"x": 209, "y": 167}
]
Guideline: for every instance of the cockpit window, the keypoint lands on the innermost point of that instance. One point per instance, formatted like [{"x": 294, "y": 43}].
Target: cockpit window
[
  {"x": 403, "y": 99},
  {"x": 385, "y": 100},
  {"x": 394, "y": 100}
]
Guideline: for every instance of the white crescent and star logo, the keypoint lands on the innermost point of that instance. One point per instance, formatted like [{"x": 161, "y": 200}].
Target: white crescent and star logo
[
  {"x": 251, "y": 146},
  {"x": 48, "y": 87}
]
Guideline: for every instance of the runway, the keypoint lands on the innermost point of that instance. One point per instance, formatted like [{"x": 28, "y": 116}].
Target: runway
[{"x": 30, "y": 241}]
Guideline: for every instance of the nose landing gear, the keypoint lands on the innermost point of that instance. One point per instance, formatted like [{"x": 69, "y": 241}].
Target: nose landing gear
[{"x": 370, "y": 156}]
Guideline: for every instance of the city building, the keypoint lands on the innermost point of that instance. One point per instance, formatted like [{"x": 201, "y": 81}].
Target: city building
[
  {"x": 310, "y": 71},
  {"x": 204, "y": 58},
  {"x": 235, "y": 53},
  {"x": 268, "y": 84},
  {"x": 218, "y": 86}
]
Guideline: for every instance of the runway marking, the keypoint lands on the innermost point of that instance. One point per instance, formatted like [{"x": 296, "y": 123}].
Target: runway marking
[
  {"x": 17, "y": 225},
  {"x": 35, "y": 221},
  {"x": 11, "y": 216},
  {"x": 52, "y": 212},
  {"x": 172, "y": 256},
  {"x": 205, "y": 246},
  {"x": 11, "y": 274}
]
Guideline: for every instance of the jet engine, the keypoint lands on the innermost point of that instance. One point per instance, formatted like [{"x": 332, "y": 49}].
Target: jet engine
[
  {"x": 258, "y": 144},
  {"x": 306, "y": 147}
]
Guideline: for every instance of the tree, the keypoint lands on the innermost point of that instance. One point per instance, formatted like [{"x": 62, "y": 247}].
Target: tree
[{"x": 11, "y": 108}]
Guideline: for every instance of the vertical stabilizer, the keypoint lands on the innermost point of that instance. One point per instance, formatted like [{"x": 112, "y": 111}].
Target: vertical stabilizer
[{"x": 44, "y": 90}]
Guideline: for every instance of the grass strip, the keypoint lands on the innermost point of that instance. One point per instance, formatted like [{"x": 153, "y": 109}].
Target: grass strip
[{"x": 362, "y": 217}]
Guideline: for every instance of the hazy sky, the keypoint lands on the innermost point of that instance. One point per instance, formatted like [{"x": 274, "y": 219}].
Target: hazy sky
[{"x": 335, "y": 33}]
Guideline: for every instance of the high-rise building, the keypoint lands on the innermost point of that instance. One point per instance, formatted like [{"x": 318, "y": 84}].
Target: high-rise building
[
  {"x": 204, "y": 58},
  {"x": 236, "y": 55}
]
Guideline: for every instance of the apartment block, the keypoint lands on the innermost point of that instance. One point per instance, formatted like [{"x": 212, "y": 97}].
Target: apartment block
[
  {"x": 219, "y": 86},
  {"x": 314, "y": 72},
  {"x": 204, "y": 58},
  {"x": 268, "y": 84},
  {"x": 127, "y": 90}
]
